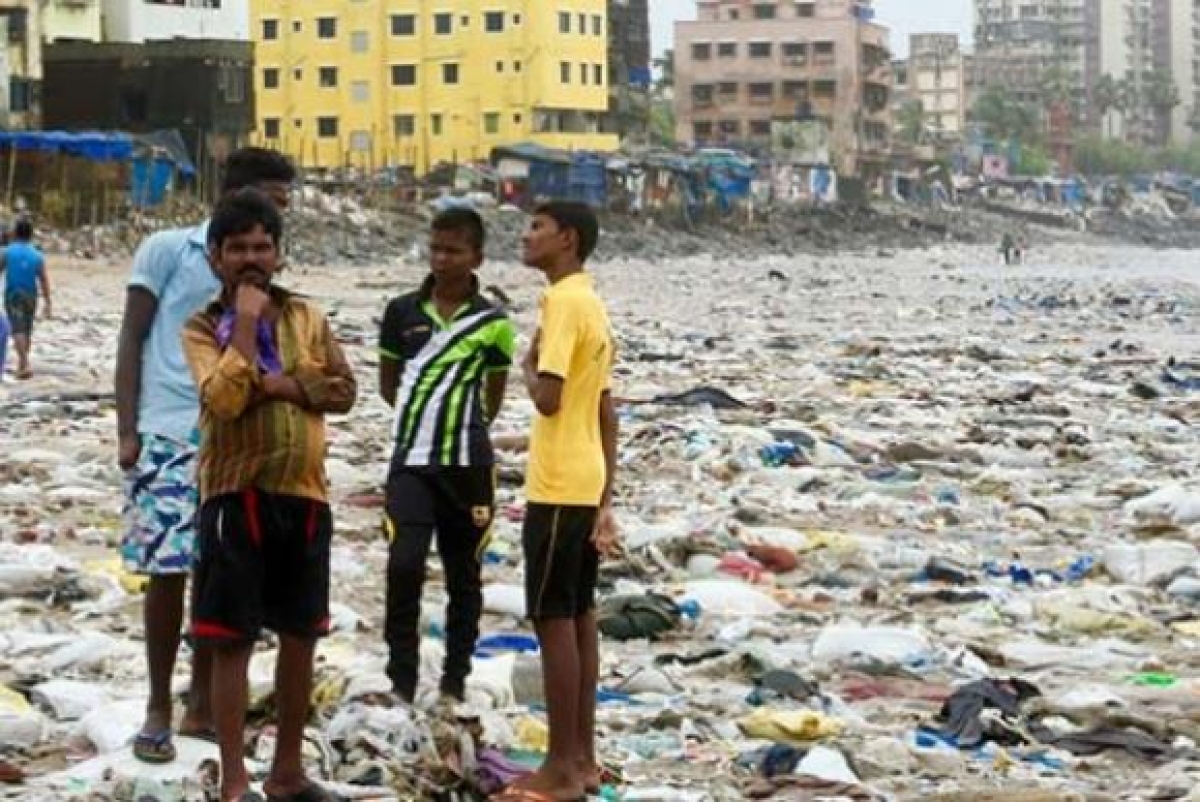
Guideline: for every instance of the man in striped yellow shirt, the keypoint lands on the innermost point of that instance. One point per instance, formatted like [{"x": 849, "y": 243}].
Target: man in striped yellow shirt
[{"x": 267, "y": 369}]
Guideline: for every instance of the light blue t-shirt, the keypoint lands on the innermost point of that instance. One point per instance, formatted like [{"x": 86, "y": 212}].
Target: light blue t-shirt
[
  {"x": 173, "y": 266},
  {"x": 22, "y": 266}
]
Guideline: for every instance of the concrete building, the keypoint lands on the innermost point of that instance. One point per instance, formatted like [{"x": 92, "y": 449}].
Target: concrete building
[
  {"x": 746, "y": 63},
  {"x": 20, "y": 63},
  {"x": 147, "y": 20},
  {"x": 1020, "y": 43},
  {"x": 72, "y": 21},
  {"x": 371, "y": 83},
  {"x": 937, "y": 79},
  {"x": 136, "y": 87},
  {"x": 629, "y": 71}
]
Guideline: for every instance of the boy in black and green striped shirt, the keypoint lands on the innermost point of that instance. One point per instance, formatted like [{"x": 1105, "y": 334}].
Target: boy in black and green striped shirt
[{"x": 444, "y": 358}]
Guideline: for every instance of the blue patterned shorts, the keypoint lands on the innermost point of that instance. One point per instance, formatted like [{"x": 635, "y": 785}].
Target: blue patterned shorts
[{"x": 161, "y": 496}]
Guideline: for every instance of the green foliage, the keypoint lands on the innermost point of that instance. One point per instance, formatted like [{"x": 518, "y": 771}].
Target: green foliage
[
  {"x": 1007, "y": 119},
  {"x": 911, "y": 122},
  {"x": 662, "y": 122},
  {"x": 1098, "y": 156}
]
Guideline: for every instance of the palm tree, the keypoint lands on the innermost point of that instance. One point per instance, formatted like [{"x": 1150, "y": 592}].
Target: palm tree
[
  {"x": 1162, "y": 96},
  {"x": 1107, "y": 98},
  {"x": 911, "y": 122},
  {"x": 1006, "y": 118}
]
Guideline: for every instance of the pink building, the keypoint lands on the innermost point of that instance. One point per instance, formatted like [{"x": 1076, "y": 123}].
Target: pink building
[{"x": 745, "y": 63}]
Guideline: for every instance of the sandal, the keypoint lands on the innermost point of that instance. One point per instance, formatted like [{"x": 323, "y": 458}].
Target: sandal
[
  {"x": 156, "y": 748},
  {"x": 309, "y": 793}
]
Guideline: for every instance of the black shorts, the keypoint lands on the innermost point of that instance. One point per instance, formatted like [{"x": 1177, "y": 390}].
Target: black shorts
[
  {"x": 561, "y": 562},
  {"x": 263, "y": 563},
  {"x": 458, "y": 502}
]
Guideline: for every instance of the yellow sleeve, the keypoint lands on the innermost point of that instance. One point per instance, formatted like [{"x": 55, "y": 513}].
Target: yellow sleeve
[
  {"x": 226, "y": 380},
  {"x": 560, "y": 332}
]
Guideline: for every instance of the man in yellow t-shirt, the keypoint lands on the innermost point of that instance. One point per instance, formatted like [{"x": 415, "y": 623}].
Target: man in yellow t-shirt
[{"x": 569, "y": 522}]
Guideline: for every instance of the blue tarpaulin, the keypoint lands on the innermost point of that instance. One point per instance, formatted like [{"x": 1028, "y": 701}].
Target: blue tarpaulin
[
  {"x": 151, "y": 178},
  {"x": 96, "y": 146},
  {"x": 578, "y": 176}
]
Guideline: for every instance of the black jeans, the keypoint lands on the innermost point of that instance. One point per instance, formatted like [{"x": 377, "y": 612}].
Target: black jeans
[{"x": 456, "y": 504}]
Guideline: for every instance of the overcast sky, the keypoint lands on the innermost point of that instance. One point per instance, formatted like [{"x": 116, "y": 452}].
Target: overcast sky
[{"x": 902, "y": 16}]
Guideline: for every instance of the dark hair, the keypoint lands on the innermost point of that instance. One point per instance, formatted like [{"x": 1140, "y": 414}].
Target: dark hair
[
  {"x": 577, "y": 217},
  {"x": 239, "y": 213},
  {"x": 249, "y": 166},
  {"x": 23, "y": 230},
  {"x": 467, "y": 221}
]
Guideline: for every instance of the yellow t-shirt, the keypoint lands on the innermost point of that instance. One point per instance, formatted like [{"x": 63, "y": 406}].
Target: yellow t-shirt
[{"x": 566, "y": 455}]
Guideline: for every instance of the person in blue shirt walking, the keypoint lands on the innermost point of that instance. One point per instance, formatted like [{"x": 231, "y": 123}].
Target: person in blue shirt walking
[
  {"x": 24, "y": 270},
  {"x": 158, "y": 408}
]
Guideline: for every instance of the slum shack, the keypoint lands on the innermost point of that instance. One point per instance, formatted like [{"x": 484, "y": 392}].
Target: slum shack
[{"x": 529, "y": 173}]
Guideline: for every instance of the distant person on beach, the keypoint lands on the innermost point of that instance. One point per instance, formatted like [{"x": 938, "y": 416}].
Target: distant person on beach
[
  {"x": 157, "y": 409},
  {"x": 24, "y": 269},
  {"x": 569, "y": 523},
  {"x": 444, "y": 355},
  {"x": 268, "y": 370},
  {"x": 1008, "y": 246}
]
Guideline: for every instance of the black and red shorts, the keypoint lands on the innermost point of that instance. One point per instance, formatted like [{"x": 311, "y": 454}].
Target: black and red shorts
[{"x": 263, "y": 563}]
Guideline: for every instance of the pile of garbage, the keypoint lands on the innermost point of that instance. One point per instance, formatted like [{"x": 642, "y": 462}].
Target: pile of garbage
[{"x": 922, "y": 527}]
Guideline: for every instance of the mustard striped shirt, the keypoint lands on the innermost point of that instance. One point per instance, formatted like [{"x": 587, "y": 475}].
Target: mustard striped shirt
[{"x": 247, "y": 440}]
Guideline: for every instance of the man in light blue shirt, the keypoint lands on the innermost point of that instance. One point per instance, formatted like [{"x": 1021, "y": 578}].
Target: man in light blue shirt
[{"x": 157, "y": 411}]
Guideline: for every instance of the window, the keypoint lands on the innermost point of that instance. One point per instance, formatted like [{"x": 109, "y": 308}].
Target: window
[
  {"x": 702, "y": 131},
  {"x": 701, "y": 51},
  {"x": 584, "y": 72},
  {"x": 404, "y": 75},
  {"x": 517, "y": 119},
  {"x": 500, "y": 66},
  {"x": 727, "y": 50},
  {"x": 298, "y": 74},
  {"x": 583, "y": 24},
  {"x": 326, "y": 27},
  {"x": 327, "y": 127},
  {"x": 491, "y": 123},
  {"x": 598, "y": 74},
  {"x": 449, "y": 73},
  {"x": 824, "y": 54},
  {"x": 435, "y": 124},
  {"x": 795, "y": 53},
  {"x": 404, "y": 24},
  {"x": 564, "y": 22},
  {"x": 728, "y": 89},
  {"x": 795, "y": 90},
  {"x": 297, "y": 27},
  {"x": 443, "y": 24},
  {"x": 760, "y": 50},
  {"x": 360, "y": 92},
  {"x": 271, "y": 127},
  {"x": 760, "y": 128},
  {"x": 516, "y": 19},
  {"x": 764, "y": 11},
  {"x": 360, "y": 42},
  {"x": 464, "y": 21},
  {"x": 327, "y": 77},
  {"x": 493, "y": 21},
  {"x": 564, "y": 72},
  {"x": 516, "y": 66},
  {"x": 730, "y": 127},
  {"x": 806, "y": 9},
  {"x": 762, "y": 92},
  {"x": 404, "y": 125},
  {"x": 597, "y": 25},
  {"x": 270, "y": 77},
  {"x": 702, "y": 95},
  {"x": 270, "y": 30}
]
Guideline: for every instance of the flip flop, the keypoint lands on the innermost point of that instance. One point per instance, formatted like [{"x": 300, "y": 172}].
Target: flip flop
[
  {"x": 155, "y": 748},
  {"x": 309, "y": 793},
  {"x": 515, "y": 793}
]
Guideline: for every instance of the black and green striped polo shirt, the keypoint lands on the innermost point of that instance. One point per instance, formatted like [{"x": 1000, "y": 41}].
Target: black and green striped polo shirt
[{"x": 439, "y": 405}]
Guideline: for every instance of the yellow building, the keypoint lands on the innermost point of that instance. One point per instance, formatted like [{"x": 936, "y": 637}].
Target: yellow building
[{"x": 374, "y": 83}]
